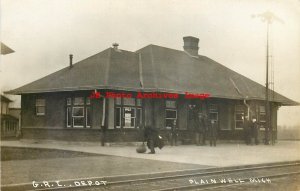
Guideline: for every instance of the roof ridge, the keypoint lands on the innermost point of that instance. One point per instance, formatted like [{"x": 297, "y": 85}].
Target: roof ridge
[
  {"x": 152, "y": 45},
  {"x": 90, "y": 57}
]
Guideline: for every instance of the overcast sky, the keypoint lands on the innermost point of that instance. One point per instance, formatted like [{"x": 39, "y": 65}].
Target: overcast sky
[{"x": 44, "y": 32}]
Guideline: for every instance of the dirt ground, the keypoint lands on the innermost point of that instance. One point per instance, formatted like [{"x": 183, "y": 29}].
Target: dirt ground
[{"x": 78, "y": 166}]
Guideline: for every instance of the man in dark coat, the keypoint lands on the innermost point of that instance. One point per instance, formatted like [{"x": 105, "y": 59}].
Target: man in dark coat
[
  {"x": 174, "y": 133},
  {"x": 254, "y": 131},
  {"x": 213, "y": 133},
  {"x": 201, "y": 128},
  {"x": 204, "y": 128},
  {"x": 247, "y": 130},
  {"x": 197, "y": 128},
  {"x": 153, "y": 139}
]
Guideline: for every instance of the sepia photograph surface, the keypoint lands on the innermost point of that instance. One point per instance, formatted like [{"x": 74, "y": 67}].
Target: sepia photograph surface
[{"x": 150, "y": 95}]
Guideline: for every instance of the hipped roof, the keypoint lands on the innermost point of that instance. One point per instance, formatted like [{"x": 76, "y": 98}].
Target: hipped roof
[
  {"x": 4, "y": 99},
  {"x": 152, "y": 69}
]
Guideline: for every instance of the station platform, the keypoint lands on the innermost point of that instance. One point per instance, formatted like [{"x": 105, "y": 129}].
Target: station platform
[{"x": 223, "y": 155}]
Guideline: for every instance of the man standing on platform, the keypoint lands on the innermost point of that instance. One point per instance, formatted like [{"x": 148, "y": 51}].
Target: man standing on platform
[
  {"x": 204, "y": 133},
  {"x": 213, "y": 133},
  {"x": 198, "y": 127},
  {"x": 150, "y": 136},
  {"x": 247, "y": 130},
  {"x": 255, "y": 130},
  {"x": 174, "y": 133}
]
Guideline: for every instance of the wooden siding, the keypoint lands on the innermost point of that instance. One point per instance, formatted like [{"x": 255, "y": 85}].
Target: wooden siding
[
  {"x": 182, "y": 114},
  {"x": 159, "y": 113},
  {"x": 97, "y": 112},
  {"x": 111, "y": 113},
  {"x": 53, "y": 124}
]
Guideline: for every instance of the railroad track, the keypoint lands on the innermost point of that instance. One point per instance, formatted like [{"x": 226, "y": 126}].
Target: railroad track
[{"x": 199, "y": 179}]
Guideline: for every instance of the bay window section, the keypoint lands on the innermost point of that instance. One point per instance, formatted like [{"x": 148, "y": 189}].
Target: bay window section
[
  {"x": 128, "y": 113},
  {"x": 78, "y": 112}
]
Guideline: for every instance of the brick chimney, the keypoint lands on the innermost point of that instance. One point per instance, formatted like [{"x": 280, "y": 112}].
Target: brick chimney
[
  {"x": 71, "y": 60},
  {"x": 191, "y": 45}
]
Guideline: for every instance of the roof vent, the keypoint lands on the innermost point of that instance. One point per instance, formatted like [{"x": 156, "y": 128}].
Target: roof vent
[{"x": 191, "y": 45}]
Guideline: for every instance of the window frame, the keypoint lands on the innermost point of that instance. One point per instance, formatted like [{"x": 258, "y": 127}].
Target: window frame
[
  {"x": 170, "y": 101},
  {"x": 78, "y": 117},
  {"x": 242, "y": 111},
  {"x": 67, "y": 117},
  {"x": 170, "y": 108},
  {"x": 85, "y": 105},
  {"x": 86, "y": 117},
  {"x": 78, "y": 104},
  {"x": 262, "y": 113},
  {"x": 167, "y": 109},
  {"x": 39, "y": 105},
  {"x": 129, "y": 104},
  {"x": 213, "y": 110},
  {"x": 120, "y": 117},
  {"x": 131, "y": 118},
  {"x": 119, "y": 104}
]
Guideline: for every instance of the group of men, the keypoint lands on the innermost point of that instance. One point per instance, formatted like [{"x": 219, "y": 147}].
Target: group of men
[{"x": 203, "y": 128}]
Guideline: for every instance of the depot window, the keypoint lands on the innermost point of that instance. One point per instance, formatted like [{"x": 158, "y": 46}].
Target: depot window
[
  {"x": 262, "y": 116},
  {"x": 170, "y": 113},
  {"x": 213, "y": 112},
  {"x": 40, "y": 106},
  {"x": 128, "y": 113},
  {"x": 239, "y": 116},
  {"x": 78, "y": 112}
]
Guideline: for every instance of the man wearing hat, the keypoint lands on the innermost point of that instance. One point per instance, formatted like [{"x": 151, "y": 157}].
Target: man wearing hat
[{"x": 213, "y": 132}]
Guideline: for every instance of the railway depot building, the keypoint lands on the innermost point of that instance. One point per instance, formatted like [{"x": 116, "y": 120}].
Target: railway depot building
[{"x": 66, "y": 105}]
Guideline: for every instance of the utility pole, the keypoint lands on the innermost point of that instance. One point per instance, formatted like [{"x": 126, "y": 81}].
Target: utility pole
[
  {"x": 268, "y": 17},
  {"x": 267, "y": 104}
]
